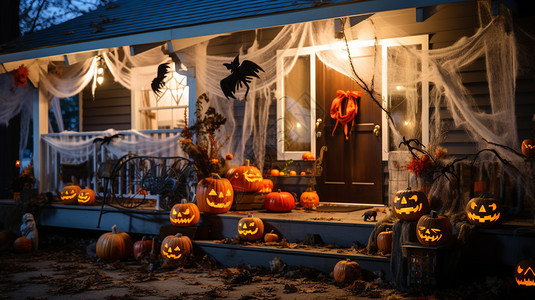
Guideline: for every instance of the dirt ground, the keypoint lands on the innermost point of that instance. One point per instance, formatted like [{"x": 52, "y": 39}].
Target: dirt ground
[{"x": 67, "y": 268}]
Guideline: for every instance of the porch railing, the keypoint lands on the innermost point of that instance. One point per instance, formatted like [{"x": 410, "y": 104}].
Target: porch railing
[{"x": 58, "y": 168}]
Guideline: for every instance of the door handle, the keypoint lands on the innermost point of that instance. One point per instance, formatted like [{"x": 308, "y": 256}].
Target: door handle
[{"x": 377, "y": 130}]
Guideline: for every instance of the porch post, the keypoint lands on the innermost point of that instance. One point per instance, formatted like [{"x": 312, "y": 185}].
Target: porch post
[{"x": 40, "y": 126}]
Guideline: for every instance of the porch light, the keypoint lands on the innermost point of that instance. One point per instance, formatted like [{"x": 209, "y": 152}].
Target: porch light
[
  {"x": 406, "y": 123},
  {"x": 100, "y": 70}
]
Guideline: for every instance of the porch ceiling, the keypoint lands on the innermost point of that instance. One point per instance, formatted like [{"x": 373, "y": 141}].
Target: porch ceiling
[{"x": 130, "y": 22}]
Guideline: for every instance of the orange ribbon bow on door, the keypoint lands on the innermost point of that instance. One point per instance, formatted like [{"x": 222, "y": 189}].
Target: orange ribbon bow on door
[{"x": 351, "y": 109}]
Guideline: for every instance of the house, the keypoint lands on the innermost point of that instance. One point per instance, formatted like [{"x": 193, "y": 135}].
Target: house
[{"x": 413, "y": 70}]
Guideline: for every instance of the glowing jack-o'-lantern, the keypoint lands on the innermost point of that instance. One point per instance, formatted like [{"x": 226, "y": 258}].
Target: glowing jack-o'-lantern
[
  {"x": 86, "y": 197},
  {"x": 433, "y": 230},
  {"x": 267, "y": 186},
  {"x": 184, "y": 214},
  {"x": 309, "y": 199},
  {"x": 410, "y": 205},
  {"x": 528, "y": 147},
  {"x": 483, "y": 211},
  {"x": 176, "y": 248},
  {"x": 250, "y": 228},
  {"x": 524, "y": 273},
  {"x": 214, "y": 195},
  {"x": 69, "y": 194},
  {"x": 245, "y": 178}
]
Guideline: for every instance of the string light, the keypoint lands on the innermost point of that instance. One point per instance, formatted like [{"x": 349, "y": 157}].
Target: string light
[{"x": 100, "y": 70}]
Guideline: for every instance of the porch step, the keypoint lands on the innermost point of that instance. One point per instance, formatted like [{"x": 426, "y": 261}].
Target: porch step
[{"x": 232, "y": 255}]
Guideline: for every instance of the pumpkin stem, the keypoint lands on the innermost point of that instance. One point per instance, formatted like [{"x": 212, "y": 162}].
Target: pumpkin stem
[
  {"x": 178, "y": 234},
  {"x": 114, "y": 229},
  {"x": 216, "y": 176},
  {"x": 247, "y": 162},
  {"x": 433, "y": 214},
  {"x": 249, "y": 215},
  {"x": 184, "y": 201}
]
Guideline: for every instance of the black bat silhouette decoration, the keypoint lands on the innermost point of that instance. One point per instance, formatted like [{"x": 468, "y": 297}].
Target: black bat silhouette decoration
[
  {"x": 240, "y": 74},
  {"x": 158, "y": 83},
  {"x": 106, "y": 139}
]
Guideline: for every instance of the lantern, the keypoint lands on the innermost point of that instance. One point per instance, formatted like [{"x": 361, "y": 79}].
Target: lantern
[
  {"x": 267, "y": 186},
  {"x": 250, "y": 228},
  {"x": 245, "y": 178},
  {"x": 86, "y": 197},
  {"x": 524, "y": 274},
  {"x": 384, "y": 241},
  {"x": 279, "y": 201},
  {"x": 114, "y": 245},
  {"x": 176, "y": 248},
  {"x": 214, "y": 195},
  {"x": 145, "y": 248},
  {"x": 433, "y": 230},
  {"x": 528, "y": 147},
  {"x": 483, "y": 211},
  {"x": 410, "y": 205},
  {"x": 184, "y": 214},
  {"x": 69, "y": 194},
  {"x": 309, "y": 199},
  {"x": 346, "y": 271}
]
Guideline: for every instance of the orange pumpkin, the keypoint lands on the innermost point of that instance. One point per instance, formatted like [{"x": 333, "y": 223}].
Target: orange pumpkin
[
  {"x": 177, "y": 248},
  {"x": 410, "y": 205},
  {"x": 145, "y": 248},
  {"x": 308, "y": 156},
  {"x": 184, "y": 214},
  {"x": 114, "y": 245},
  {"x": 279, "y": 201},
  {"x": 309, "y": 199},
  {"x": 69, "y": 194},
  {"x": 214, "y": 195},
  {"x": 86, "y": 197},
  {"x": 293, "y": 173},
  {"x": 250, "y": 228},
  {"x": 346, "y": 271},
  {"x": 245, "y": 178},
  {"x": 528, "y": 147},
  {"x": 384, "y": 241},
  {"x": 271, "y": 237},
  {"x": 267, "y": 186},
  {"x": 274, "y": 172},
  {"x": 22, "y": 245}
]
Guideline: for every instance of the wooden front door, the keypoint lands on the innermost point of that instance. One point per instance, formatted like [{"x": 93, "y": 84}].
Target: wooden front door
[{"x": 352, "y": 169}]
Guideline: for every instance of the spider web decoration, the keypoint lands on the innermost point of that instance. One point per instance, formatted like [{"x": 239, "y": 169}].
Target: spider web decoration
[{"x": 174, "y": 87}]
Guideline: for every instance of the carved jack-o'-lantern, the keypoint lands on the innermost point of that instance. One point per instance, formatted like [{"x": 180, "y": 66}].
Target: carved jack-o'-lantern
[
  {"x": 86, "y": 197},
  {"x": 309, "y": 199},
  {"x": 69, "y": 194},
  {"x": 524, "y": 273},
  {"x": 251, "y": 228},
  {"x": 483, "y": 211},
  {"x": 184, "y": 214},
  {"x": 176, "y": 248},
  {"x": 214, "y": 195},
  {"x": 267, "y": 186},
  {"x": 528, "y": 147},
  {"x": 245, "y": 178},
  {"x": 410, "y": 205},
  {"x": 433, "y": 230}
]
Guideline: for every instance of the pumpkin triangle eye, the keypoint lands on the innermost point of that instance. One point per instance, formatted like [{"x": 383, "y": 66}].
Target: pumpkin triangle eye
[
  {"x": 212, "y": 193},
  {"x": 519, "y": 270},
  {"x": 221, "y": 195},
  {"x": 177, "y": 248},
  {"x": 228, "y": 193},
  {"x": 166, "y": 246},
  {"x": 482, "y": 209},
  {"x": 403, "y": 200},
  {"x": 244, "y": 225},
  {"x": 169, "y": 250}
]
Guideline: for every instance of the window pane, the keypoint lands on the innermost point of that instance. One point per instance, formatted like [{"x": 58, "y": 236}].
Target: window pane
[{"x": 297, "y": 106}]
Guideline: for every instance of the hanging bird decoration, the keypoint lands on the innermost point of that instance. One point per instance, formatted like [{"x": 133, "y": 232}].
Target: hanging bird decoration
[
  {"x": 158, "y": 82},
  {"x": 240, "y": 74}
]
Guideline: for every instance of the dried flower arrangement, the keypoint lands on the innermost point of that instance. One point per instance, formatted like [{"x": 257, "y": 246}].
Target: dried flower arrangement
[{"x": 199, "y": 139}]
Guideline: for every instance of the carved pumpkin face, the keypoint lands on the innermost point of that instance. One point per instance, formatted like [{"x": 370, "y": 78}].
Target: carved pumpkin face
[
  {"x": 245, "y": 178},
  {"x": 267, "y": 186},
  {"x": 524, "y": 273},
  {"x": 69, "y": 194},
  {"x": 433, "y": 230},
  {"x": 410, "y": 205},
  {"x": 176, "y": 248},
  {"x": 528, "y": 147},
  {"x": 309, "y": 199},
  {"x": 184, "y": 214},
  {"x": 250, "y": 228},
  {"x": 279, "y": 201},
  {"x": 214, "y": 195},
  {"x": 485, "y": 212},
  {"x": 86, "y": 197}
]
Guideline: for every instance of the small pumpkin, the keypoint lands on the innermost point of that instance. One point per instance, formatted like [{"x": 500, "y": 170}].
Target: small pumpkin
[
  {"x": 250, "y": 228},
  {"x": 347, "y": 271},
  {"x": 279, "y": 201},
  {"x": 308, "y": 156},
  {"x": 524, "y": 273},
  {"x": 22, "y": 245},
  {"x": 114, "y": 245},
  {"x": 293, "y": 173},
  {"x": 145, "y": 248},
  {"x": 410, "y": 205},
  {"x": 267, "y": 186},
  {"x": 69, "y": 194},
  {"x": 433, "y": 230},
  {"x": 528, "y": 147},
  {"x": 484, "y": 211},
  {"x": 177, "y": 248},
  {"x": 214, "y": 195},
  {"x": 274, "y": 172},
  {"x": 86, "y": 197},
  {"x": 245, "y": 178},
  {"x": 309, "y": 199},
  {"x": 384, "y": 241},
  {"x": 271, "y": 237},
  {"x": 184, "y": 214}
]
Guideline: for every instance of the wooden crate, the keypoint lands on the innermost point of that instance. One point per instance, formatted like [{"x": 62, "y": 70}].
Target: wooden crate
[{"x": 248, "y": 201}]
